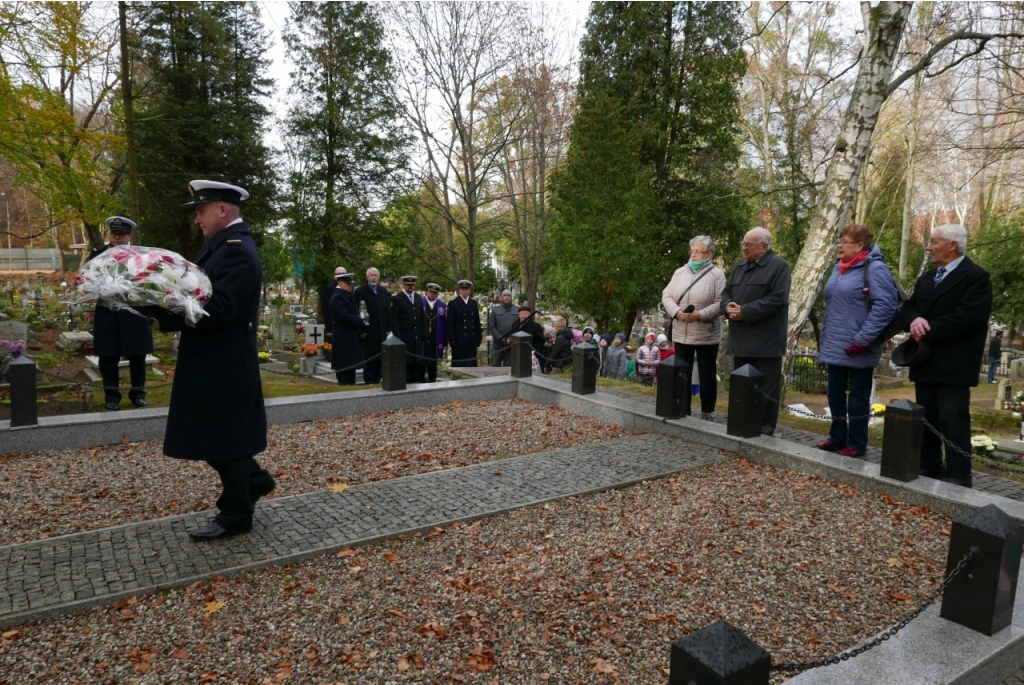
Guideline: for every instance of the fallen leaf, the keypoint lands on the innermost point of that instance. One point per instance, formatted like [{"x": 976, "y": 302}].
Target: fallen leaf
[
  {"x": 339, "y": 487},
  {"x": 180, "y": 654},
  {"x": 213, "y": 607},
  {"x": 404, "y": 665},
  {"x": 602, "y": 666}
]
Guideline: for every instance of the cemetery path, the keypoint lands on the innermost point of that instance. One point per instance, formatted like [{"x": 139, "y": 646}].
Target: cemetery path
[{"x": 64, "y": 574}]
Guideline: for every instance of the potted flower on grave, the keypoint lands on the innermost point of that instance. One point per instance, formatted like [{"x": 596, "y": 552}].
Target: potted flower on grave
[
  {"x": 325, "y": 348},
  {"x": 308, "y": 361},
  {"x": 264, "y": 357}
]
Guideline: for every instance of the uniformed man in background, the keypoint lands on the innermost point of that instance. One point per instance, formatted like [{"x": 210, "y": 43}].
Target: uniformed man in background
[
  {"x": 120, "y": 333},
  {"x": 409, "y": 324},
  {"x": 463, "y": 326},
  {"x": 216, "y": 412},
  {"x": 434, "y": 342}
]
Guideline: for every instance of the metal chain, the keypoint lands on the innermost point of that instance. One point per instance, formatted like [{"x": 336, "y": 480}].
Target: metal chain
[
  {"x": 812, "y": 414},
  {"x": 72, "y": 381},
  {"x": 847, "y": 655},
  {"x": 970, "y": 455},
  {"x": 332, "y": 372}
]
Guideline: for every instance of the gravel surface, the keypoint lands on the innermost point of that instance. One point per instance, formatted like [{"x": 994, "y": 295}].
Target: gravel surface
[
  {"x": 586, "y": 590},
  {"x": 45, "y": 494}
]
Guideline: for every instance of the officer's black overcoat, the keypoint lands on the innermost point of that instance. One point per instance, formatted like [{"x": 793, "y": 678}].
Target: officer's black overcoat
[
  {"x": 463, "y": 331},
  {"x": 409, "y": 323},
  {"x": 379, "y": 318},
  {"x": 216, "y": 410},
  {"x": 346, "y": 344}
]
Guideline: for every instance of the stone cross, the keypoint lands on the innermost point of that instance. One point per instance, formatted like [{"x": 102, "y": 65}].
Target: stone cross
[{"x": 314, "y": 333}]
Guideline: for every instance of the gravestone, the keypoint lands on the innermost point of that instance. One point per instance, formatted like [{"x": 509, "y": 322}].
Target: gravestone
[
  {"x": 315, "y": 333},
  {"x": 13, "y": 330},
  {"x": 75, "y": 340},
  {"x": 1004, "y": 383}
]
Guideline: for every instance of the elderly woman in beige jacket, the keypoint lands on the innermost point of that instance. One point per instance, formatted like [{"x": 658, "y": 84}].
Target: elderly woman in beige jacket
[{"x": 693, "y": 300}]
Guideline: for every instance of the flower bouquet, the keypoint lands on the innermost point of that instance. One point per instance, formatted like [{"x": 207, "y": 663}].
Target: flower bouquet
[{"x": 127, "y": 276}]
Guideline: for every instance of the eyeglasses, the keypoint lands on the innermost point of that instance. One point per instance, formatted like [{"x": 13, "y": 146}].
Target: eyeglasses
[
  {"x": 749, "y": 245},
  {"x": 699, "y": 251}
]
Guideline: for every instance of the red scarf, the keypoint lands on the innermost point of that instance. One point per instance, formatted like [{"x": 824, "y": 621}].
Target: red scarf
[{"x": 857, "y": 259}]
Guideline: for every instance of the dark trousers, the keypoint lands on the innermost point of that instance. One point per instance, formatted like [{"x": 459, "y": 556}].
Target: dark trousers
[
  {"x": 429, "y": 372},
  {"x": 771, "y": 369},
  {"x": 707, "y": 372},
  {"x": 947, "y": 409},
  {"x": 850, "y": 432},
  {"x": 372, "y": 369},
  {"x": 241, "y": 479},
  {"x": 413, "y": 372},
  {"x": 346, "y": 377},
  {"x": 110, "y": 374},
  {"x": 502, "y": 355}
]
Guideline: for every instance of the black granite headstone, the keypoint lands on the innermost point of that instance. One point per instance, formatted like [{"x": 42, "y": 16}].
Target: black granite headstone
[
  {"x": 522, "y": 355},
  {"x": 21, "y": 374},
  {"x": 981, "y": 596},
  {"x": 718, "y": 655},
  {"x": 392, "y": 365},
  {"x": 585, "y": 364},
  {"x": 673, "y": 387},
  {"x": 746, "y": 402},
  {"x": 901, "y": 441}
]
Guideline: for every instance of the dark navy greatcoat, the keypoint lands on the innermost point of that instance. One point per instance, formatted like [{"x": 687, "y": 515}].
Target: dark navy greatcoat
[
  {"x": 409, "y": 323},
  {"x": 463, "y": 331},
  {"x": 119, "y": 333},
  {"x": 346, "y": 327},
  {"x": 378, "y": 317},
  {"x": 216, "y": 411}
]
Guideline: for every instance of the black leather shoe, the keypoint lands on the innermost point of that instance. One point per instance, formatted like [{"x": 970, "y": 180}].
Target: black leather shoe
[
  {"x": 113, "y": 406},
  {"x": 213, "y": 532},
  {"x": 140, "y": 402},
  {"x": 963, "y": 481}
]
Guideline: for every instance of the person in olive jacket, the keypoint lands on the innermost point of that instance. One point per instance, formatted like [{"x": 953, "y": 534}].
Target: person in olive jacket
[
  {"x": 756, "y": 302},
  {"x": 216, "y": 412},
  {"x": 948, "y": 314},
  {"x": 120, "y": 333}
]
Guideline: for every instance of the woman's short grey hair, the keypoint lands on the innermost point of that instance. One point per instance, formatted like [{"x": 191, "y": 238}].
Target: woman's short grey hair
[
  {"x": 706, "y": 241},
  {"x": 559, "y": 322},
  {"x": 954, "y": 233}
]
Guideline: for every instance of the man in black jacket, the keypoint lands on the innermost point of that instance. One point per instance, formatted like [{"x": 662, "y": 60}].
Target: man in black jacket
[
  {"x": 756, "y": 303},
  {"x": 325, "y": 301},
  {"x": 216, "y": 412},
  {"x": 120, "y": 333},
  {"x": 463, "y": 326},
  {"x": 948, "y": 314},
  {"x": 409, "y": 324},
  {"x": 374, "y": 298}
]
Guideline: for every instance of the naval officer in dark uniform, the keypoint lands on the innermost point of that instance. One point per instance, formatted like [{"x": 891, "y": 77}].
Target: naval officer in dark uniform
[
  {"x": 120, "y": 333},
  {"x": 463, "y": 326},
  {"x": 409, "y": 324},
  {"x": 216, "y": 412},
  {"x": 349, "y": 331}
]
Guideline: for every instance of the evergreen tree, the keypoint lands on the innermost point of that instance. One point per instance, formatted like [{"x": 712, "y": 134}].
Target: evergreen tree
[
  {"x": 201, "y": 114},
  {"x": 651, "y": 156},
  {"x": 342, "y": 133}
]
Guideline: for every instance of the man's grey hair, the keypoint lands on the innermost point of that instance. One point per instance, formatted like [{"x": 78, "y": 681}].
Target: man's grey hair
[
  {"x": 559, "y": 322},
  {"x": 706, "y": 241},
  {"x": 372, "y": 268},
  {"x": 763, "y": 234},
  {"x": 954, "y": 233}
]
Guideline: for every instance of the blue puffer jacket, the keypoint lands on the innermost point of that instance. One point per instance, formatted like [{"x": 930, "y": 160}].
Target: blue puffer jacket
[{"x": 847, "y": 320}]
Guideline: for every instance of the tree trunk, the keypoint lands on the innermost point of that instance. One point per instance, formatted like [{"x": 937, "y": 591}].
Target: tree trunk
[{"x": 884, "y": 30}]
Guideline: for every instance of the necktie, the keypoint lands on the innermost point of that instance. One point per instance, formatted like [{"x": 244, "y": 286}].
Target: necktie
[{"x": 940, "y": 274}]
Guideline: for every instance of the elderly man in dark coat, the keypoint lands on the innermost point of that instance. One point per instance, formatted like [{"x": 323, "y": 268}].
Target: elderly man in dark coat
[
  {"x": 756, "y": 302},
  {"x": 409, "y": 324},
  {"x": 216, "y": 412},
  {"x": 120, "y": 333},
  {"x": 349, "y": 331},
  {"x": 947, "y": 315},
  {"x": 373, "y": 296},
  {"x": 463, "y": 326}
]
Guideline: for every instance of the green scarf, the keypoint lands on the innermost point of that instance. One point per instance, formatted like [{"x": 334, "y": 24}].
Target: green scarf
[{"x": 697, "y": 266}]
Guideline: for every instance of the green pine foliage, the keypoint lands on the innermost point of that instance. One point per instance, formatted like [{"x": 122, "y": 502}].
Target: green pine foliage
[
  {"x": 996, "y": 247},
  {"x": 652, "y": 155},
  {"x": 343, "y": 136}
]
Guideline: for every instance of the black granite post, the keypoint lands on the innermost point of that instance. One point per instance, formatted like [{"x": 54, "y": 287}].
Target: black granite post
[
  {"x": 585, "y": 364},
  {"x": 718, "y": 655},
  {"x": 392, "y": 365},
  {"x": 522, "y": 355},
  {"x": 981, "y": 596},
  {"x": 901, "y": 441},
  {"x": 21, "y": 374},
  {"x": 673, "y": 386},
  {"x": 746, "y": 402}
]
